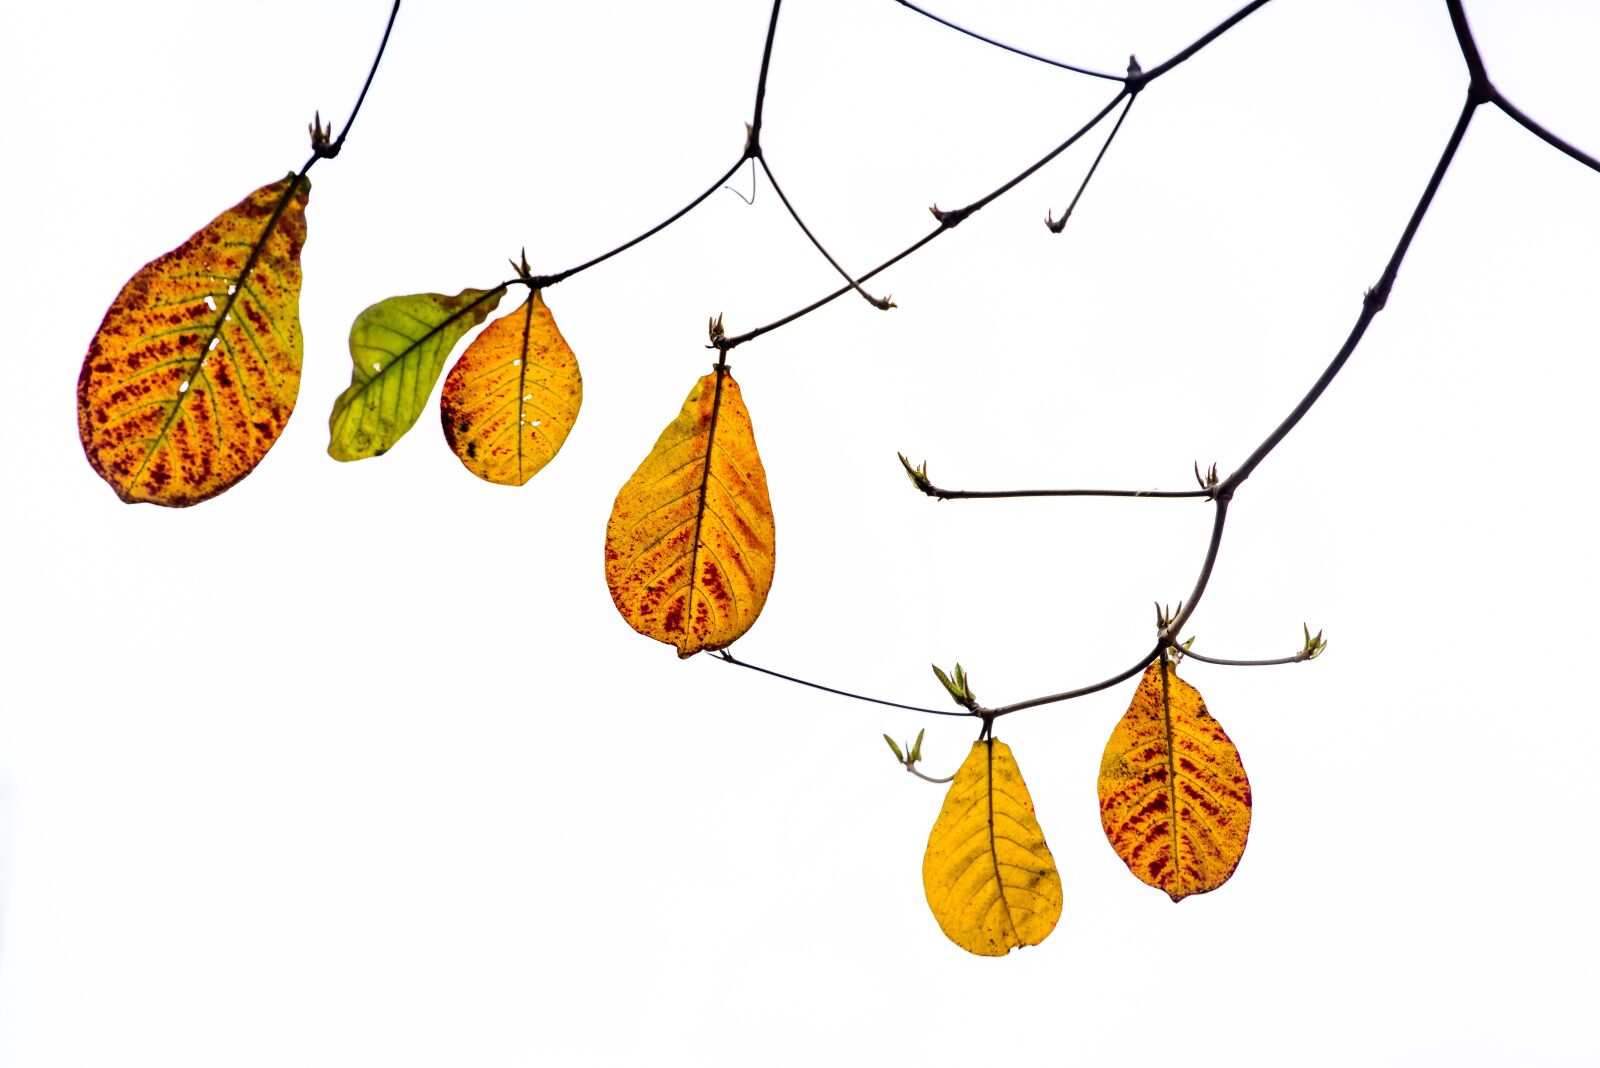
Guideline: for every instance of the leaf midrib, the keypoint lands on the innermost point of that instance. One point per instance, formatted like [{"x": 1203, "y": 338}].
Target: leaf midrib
[
  {"x": 700, "y": 505},
  {"x": 238, "y": 287}
]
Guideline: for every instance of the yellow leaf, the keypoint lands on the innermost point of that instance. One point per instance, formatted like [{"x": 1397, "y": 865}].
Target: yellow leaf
[
  {"x": 1174, "y": 799},
  {"x": 510, "y": 401},
  {"x": 195, "y": 369},
  {"x": 397, "y": 349},
  {"x": 988, "y": 874},
  {"x": 689, "y": 548}
]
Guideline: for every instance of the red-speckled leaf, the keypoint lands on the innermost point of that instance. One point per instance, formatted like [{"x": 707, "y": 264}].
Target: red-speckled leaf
[
  {"x": 510, "y": 401},
  {"x": 195, "y": 369},
  {"x": 1174, "y": 799},
  {"x": 689, "y": 548}
]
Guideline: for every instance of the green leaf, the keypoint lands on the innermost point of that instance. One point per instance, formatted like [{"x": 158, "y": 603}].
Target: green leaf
[{"x": 397, "y": 349}]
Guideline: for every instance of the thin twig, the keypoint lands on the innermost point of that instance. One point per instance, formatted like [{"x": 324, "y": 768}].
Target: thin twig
[
  {"x": 881, "y": 303},
  {"x": 948, "y": 220},
  {"x": 1298, "y": 658},
  {"x": 1169, "y": 633},
  {"x": 1082, "y": 691},
  {"x": 957, "y": 495},
  {"x": 753, "y": 142},
  {"x": 1009, "y": 48},
  {"x": 1057, "y": 225},
  {"x": 541, "y": 281},
  {"x": 1469, "y": 48},
  {"x": 1373, "y": 303},
  {"x": 333, "y": 150},
  {"x": 1517, "y": 115},
  {"x": 1217, "y": 31},
  {"x": 728, "y": 658}
]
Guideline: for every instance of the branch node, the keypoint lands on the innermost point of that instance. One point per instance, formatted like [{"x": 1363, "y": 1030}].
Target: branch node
[
  {"x": 323, "y": 146},
  {"x": 1135, "y": 79},
  {"x": 1057, "y": 225},
  {"x": 911, "y": 755},
  {"x": 951, "y": 219},
  {"x": 918, "y": 474},
  {"x": 524, "y": 272},
  {"x": 719, "y": 339},
  {"x": 1314, "y": 645},
  {"x": 957, "y": 687}
]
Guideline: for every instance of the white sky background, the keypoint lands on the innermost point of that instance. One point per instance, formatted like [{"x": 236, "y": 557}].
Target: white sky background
[{"x": 356, "y": 765}]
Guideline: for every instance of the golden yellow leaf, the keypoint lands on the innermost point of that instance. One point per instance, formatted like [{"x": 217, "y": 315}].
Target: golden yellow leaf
[
  {"x": 988, "y": 875},
  {"x": 510, "y": 401},
  {"x": 196, "y": 366},
  {"x": 689, "y": 548},
  {"x": 1174, "y": 799}
]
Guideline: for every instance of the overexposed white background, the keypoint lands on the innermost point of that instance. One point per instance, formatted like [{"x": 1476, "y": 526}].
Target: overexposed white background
[{"x": 356, "y": 765}]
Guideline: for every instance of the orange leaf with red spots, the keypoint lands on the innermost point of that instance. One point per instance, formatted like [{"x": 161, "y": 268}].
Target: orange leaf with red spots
[
  {"x": 195, "y": 369},
  {"x": 689, "y": 548},
  {"x": 1174, "y": 799},
  {"x": 510, "y": 401}
]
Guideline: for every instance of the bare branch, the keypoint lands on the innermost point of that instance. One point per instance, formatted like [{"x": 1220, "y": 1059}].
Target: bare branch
[
  {"x": 1009, "y": 48},
  {"x": 881, "y": 303}
]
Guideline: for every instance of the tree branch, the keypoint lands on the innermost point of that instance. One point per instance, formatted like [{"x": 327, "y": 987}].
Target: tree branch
[
  {"x": 948, "y": 220},
  {"x": 1057, "y": 225},
  {"x": 881, "y": 303},
  {"x": 728, "y": 658},
  {"x": 1375, "y": 299},
  {"x": 753, "y": 141},
  {"x": 1009, "y": 48},
  {"x": 543, "y": 280},
  {"x": 1517, "y": 115},
  {"x": 919, "y": 479}
]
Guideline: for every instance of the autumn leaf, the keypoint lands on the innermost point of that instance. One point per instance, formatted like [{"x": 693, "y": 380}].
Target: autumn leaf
[
  {"x": 988, "y": 875},
  {"x": 1174, "y": 799},
  {"x": 689, "y": 548},
  {"x": 510, "y": 401},
  {"x": 195, "y": 368},
  {"x": 397, "y": 349}
]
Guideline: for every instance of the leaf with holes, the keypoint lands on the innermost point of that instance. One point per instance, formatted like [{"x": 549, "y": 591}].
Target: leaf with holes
[
  {"x": 689, "y": 548},
  {"x": 510, "y": 401},
  {"x": 1174, "y": 799},
  {"x": 989, "y": 877},
  {"x": 397, "y": 349},
  {"x": 195, "y": 368}
]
